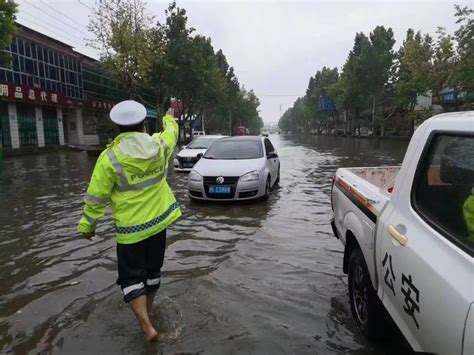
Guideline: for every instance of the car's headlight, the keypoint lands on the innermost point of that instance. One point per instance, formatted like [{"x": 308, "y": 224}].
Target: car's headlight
[
  {"x": 251, "y": 176},
  {"x": 195, "y": 177}
]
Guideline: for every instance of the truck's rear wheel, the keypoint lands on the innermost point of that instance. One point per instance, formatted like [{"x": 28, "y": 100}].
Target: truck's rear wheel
[{"x": 366, "y": 308}]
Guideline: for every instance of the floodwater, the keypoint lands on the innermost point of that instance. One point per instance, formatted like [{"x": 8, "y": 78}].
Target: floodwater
[{"x": 253, "y": 278}]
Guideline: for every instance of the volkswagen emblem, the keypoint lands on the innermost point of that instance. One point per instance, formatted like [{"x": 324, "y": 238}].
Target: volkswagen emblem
[{"x": 220, "y": 180}]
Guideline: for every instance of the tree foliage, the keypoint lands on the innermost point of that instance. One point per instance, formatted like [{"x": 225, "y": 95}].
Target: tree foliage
[
  {"x": 122, "y": 36},
  {"x": 380, "y": 86},
  {"x": 8, "y": 9},
  {"x": 464, "y": 36},
  {"x": 174, "y": 62}
]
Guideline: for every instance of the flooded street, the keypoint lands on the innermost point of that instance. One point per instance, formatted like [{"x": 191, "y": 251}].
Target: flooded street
[{"x": 253, "y": 278}]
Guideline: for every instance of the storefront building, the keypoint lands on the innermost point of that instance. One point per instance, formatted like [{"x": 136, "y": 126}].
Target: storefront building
[
  {"x": 39, "y": 92},
  {"x": 52, "y": 95}
]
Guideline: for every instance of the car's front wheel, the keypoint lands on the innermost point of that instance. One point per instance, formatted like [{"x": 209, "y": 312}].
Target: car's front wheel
[{"x": 268, "y": 187}]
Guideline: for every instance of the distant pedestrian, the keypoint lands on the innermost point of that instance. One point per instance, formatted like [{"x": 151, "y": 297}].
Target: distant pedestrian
[{"x": 131, "y": 175}]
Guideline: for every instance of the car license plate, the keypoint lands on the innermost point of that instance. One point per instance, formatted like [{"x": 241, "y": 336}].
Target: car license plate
[{"x": 219, "y": 189}]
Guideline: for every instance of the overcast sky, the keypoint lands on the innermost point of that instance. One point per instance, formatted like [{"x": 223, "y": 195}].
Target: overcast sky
[{"x": 274, "y": 46}]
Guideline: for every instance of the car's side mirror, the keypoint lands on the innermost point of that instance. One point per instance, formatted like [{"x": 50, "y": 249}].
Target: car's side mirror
[
  {"x": 200, "y": 155},
  {"x": 272, "y": 155}
]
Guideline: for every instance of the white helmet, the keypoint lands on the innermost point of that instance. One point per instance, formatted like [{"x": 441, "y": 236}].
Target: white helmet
[{"x": 128, "y": 113}]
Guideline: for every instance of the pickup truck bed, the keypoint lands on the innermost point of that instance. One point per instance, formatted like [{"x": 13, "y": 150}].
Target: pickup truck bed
[{"x": 369, "y": 188}]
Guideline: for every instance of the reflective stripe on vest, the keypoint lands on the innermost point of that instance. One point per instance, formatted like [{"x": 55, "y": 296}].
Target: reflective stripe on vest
[
  {"x": 152, "y": 223},
  {"x": 163, "y": 143},
  {"x": 95, "y": 199},
  {"x": 91, "y": 220},
  {"x": 124, "y": 185}
]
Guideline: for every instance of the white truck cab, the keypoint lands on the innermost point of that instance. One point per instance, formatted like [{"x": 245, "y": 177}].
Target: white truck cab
[{"x": 408, "y": 234}]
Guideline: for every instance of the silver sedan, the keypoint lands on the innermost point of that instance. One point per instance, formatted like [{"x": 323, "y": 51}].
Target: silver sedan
[{"x": 235, "y": 168}]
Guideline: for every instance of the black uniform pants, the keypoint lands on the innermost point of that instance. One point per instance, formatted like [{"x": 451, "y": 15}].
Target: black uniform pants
[{"x": 139, "y": 266}]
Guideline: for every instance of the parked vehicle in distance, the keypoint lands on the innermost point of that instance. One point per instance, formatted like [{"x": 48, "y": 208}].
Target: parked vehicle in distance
[
  {"x": 189, "y": 155},
  {"x": 198, "y": 133},
  {"x": 337, "y": 132},
  {"x": 242, "y": 131},
  {"x": 265, "y": 133},
  {"x": 363, "y": 132},
  {"x": 235, "y": 168},
  {"x": 408, "y": 236}
]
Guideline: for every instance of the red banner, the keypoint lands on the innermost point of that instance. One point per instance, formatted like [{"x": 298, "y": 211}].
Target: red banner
[{"x": 24, "y": 93}]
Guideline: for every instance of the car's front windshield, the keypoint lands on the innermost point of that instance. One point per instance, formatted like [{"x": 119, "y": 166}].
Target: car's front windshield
[
  {"x": 201, "y": 143},
  {"x": 232, "y": 149}
]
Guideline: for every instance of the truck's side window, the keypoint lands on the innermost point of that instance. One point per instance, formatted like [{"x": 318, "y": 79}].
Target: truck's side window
[{"x": 444, "y": 187}]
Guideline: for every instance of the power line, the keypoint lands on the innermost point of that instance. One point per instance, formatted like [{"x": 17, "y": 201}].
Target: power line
[
  {"x": 86, "y": 6},
  {"x": 61, "y": 30},
  {"x": 41, "y": 25},
  {"x": 54, "y": 17},
  {"x": 63, "y": 14}
]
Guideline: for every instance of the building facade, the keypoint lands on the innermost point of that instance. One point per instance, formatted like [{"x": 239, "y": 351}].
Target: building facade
[{"x": 53, "y": 95}]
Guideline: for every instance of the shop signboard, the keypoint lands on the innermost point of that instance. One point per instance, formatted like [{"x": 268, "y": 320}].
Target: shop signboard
[
  {"x": 98, "y": 104},
  {"x": 326, "y": 103},
  {"x": 34, "y": 95}
]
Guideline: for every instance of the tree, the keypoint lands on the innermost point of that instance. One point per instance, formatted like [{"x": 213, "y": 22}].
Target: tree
[
  {"x": 464, "y": 35},
  {"x": 318, "y": 88},
  {"x": 351, "y": 92},
  {"x": 122, "y": 36},
  {"x": 415, "y": 69},
  {"x": 8, "y": 9},
  {"x": 380, "y": 59},
  {"x": 445, "y": 63},
  {"x": 245, "y": 112}
]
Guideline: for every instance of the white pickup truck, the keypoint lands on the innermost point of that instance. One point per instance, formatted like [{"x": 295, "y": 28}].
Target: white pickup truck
[{"x": 408, "y": 234}]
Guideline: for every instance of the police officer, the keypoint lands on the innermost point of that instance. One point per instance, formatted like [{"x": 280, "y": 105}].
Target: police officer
[{"x": 131, "y": 175}]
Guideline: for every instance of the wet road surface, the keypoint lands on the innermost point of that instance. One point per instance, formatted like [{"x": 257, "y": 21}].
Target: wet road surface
[{"x": 253, "y": 278}]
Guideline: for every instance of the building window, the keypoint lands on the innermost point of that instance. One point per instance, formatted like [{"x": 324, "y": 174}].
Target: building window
[
  {"x": 16, "y": 63},
  {"x": 27, "y": 49},
  {"x": 14, "y": 45},
  {"x": 29, "y": 66},
  {"x": 41, "y": 69},
  {"x": 33, "y": 51},
  {"x": 40, "y": 53},
  {"x": 21, "y": 48}
]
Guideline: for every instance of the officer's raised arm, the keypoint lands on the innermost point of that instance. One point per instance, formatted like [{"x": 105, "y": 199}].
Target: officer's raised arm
[{"x": 170, "y": 132}]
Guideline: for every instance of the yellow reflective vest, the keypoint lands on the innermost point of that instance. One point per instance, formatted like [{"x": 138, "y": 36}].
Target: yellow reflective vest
[{"x": 131, "y": 175}]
